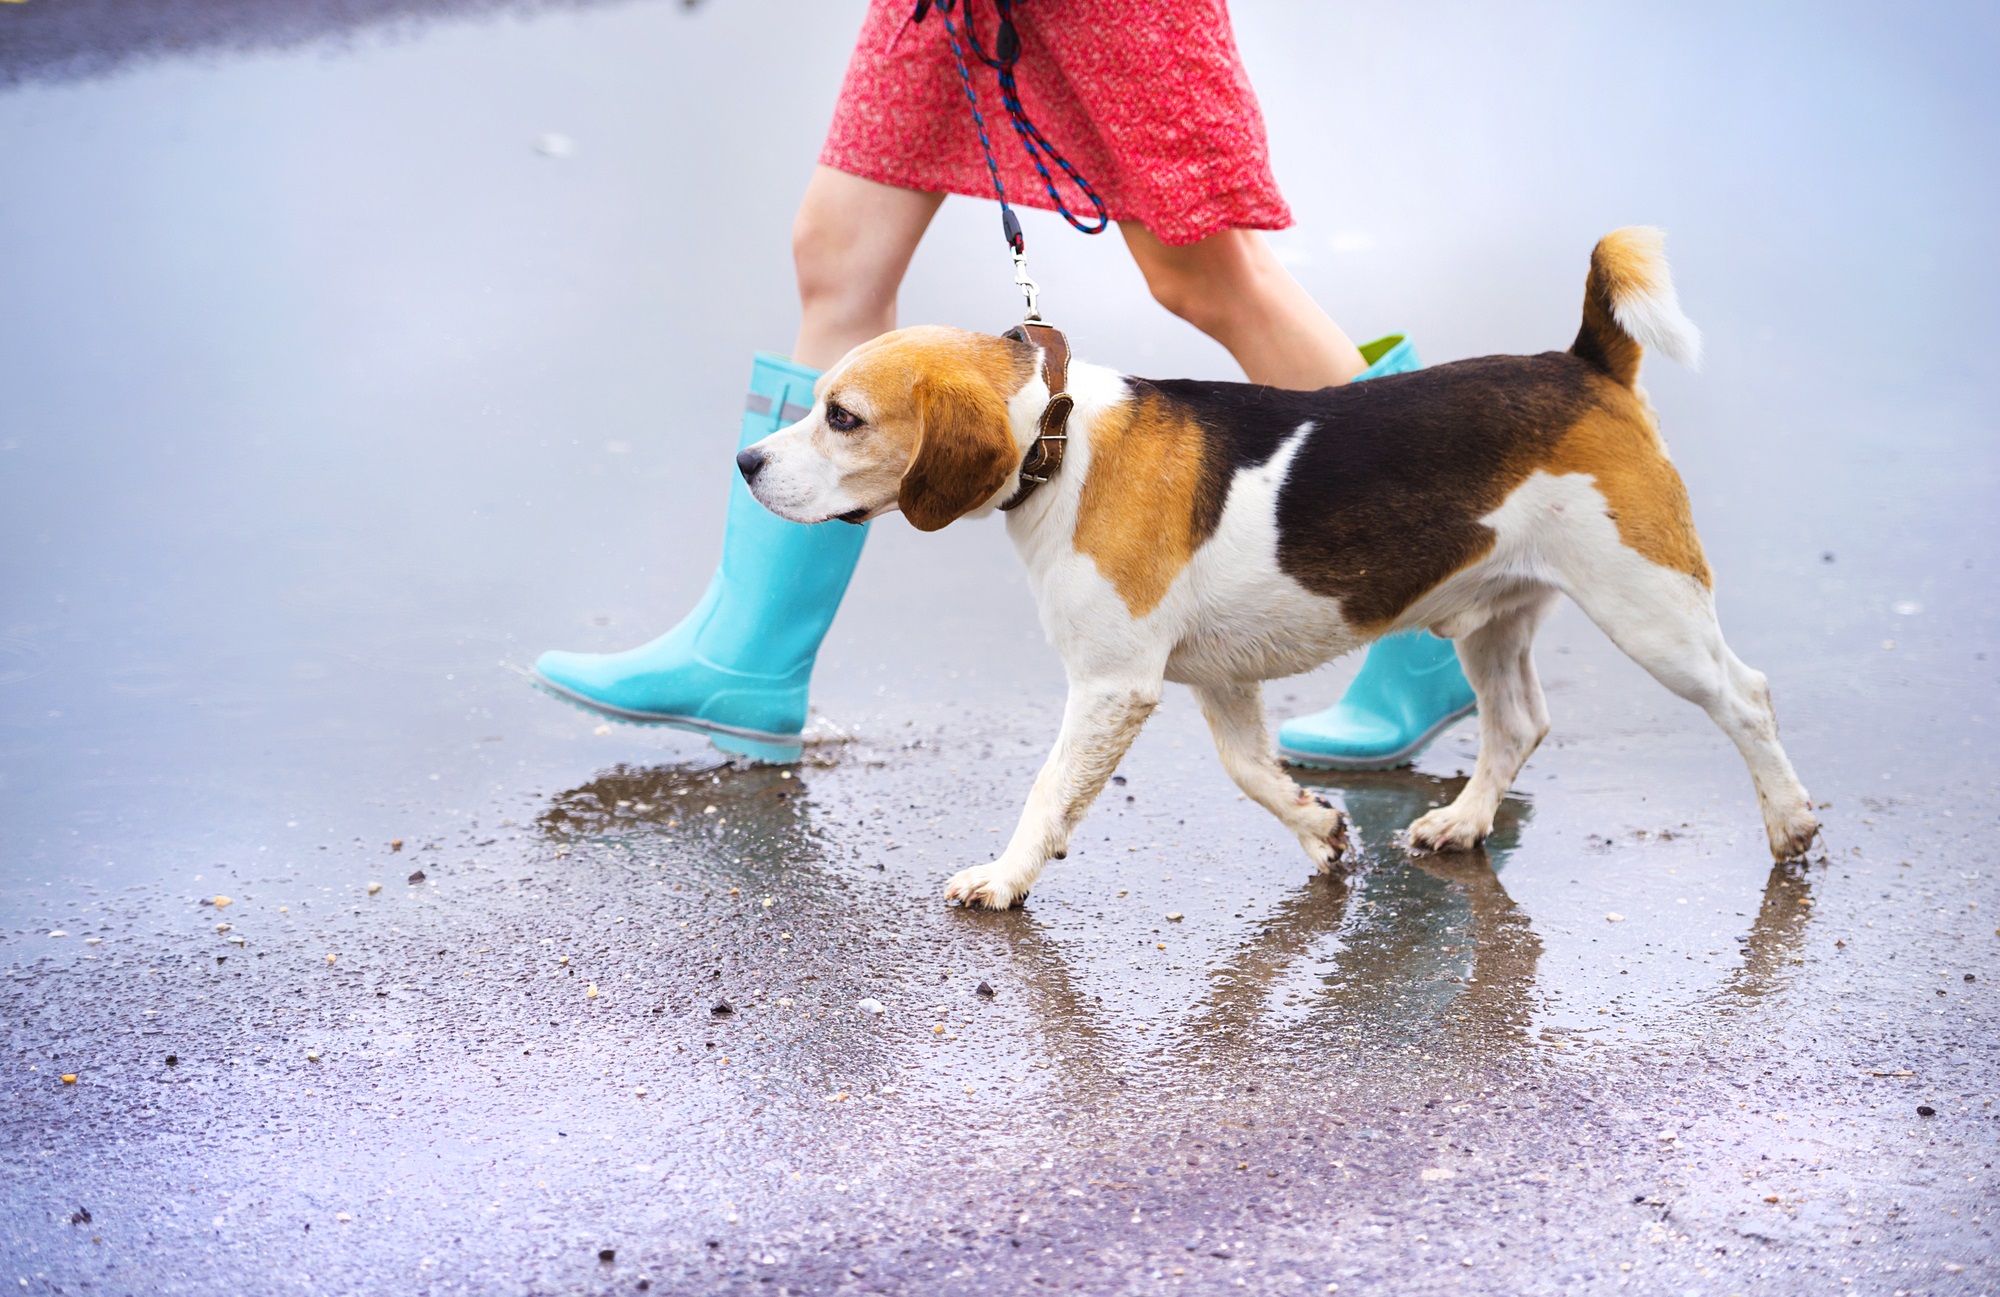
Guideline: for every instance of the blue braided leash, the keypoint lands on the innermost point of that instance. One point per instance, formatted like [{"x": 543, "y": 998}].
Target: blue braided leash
[{"x": 1007, "y": 53}]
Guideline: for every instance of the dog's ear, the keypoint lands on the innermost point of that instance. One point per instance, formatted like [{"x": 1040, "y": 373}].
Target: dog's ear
[{"x": 965, "y": 450}]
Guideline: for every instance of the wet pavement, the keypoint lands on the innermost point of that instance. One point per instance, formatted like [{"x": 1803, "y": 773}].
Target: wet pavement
[{"x": 350, "y": 363}]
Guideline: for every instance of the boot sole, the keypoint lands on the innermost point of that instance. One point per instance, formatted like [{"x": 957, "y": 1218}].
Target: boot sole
[
  {"x": 1403, "y": 756},
  {"x": 772, "y": 749}
]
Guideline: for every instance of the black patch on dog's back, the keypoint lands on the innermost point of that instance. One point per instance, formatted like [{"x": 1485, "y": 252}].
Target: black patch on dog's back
[{"x": 1383, "y": 499}]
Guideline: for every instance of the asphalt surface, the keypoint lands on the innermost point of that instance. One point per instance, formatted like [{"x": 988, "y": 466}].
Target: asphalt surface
[{"x": 349, "y": 366}]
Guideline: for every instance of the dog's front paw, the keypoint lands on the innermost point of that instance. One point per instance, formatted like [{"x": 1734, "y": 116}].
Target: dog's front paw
[
  {"x": 1327, "y": 839},
  {"x": 1791, "y": 832},
  {"x": 1449, "y": 828},
  {"x": 998, "y": 886}
]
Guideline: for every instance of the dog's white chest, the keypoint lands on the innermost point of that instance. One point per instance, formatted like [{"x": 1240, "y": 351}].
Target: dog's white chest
[{"x": 1241, "y": 617}]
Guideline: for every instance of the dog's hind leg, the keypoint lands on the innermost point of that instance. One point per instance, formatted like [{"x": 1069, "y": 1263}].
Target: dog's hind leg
[
  {"x": 1499, "y": 659},
  {"x": 1665, "y": 621},
  {"x": 1235, "y": 715},
  {"x": 1100, "y": 720}
]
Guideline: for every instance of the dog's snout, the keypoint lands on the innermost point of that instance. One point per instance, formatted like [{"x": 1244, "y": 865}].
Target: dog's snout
[{"x": 750, "y": 462}]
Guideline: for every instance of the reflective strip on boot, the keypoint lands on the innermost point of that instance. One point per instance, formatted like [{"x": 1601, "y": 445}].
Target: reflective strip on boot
[{"x": 758, "y": 403}]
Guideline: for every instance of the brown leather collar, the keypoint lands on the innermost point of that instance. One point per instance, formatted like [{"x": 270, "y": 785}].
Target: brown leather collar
[{"x": 1045, "y": 454}]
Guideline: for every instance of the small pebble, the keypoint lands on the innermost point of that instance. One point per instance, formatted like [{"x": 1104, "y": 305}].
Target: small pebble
[
  {"x": 607, "y": 1255},
  {"x": 69, "y": 1078},
  {"x": 874, "y": 1008},
  {"x": 331, "y": 958},
  {"x": 985, "y": 991},
  {"x": 374, "y": 888},
  {"x": 1614, "y": 918},
  {"x": 416, "y": 878},
  {"x": 395, "y": 844},
  {"x": 720, "y": 1009},
  {"x": 342, "y": 1217},
  {"x": 590, "y": 992},
  {"x": 1923, "y": 1109},
  {"x": 1174, "y": 917},
  {"x": 58, "y": 933},
  {"x": 98, "y": 941},
  {"x": 312, "y": 1056},
  {"x": 221, "y": 901}
]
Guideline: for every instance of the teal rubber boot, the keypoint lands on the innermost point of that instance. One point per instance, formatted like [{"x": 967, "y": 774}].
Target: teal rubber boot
[
  {"x": 738, "y": 667},
  {"x": 1410, "y": 688}
]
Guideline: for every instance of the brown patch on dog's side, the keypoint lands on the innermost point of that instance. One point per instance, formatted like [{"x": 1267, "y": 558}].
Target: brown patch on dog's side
[
  {"x": 1621, "y": 451},
  {"x": 1152, "y": 495}
]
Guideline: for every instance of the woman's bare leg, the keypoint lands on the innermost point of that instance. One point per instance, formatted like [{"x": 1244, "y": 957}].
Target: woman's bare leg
[
  {"x": 1232, "y": 287},
  {"x": 852, "y": 241}
]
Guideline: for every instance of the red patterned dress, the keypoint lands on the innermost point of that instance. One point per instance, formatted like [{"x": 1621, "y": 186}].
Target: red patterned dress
[{"x": 1147, "y": 98}]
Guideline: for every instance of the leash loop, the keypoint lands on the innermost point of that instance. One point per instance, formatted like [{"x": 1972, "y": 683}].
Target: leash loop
[{"x": 1007, "y": 53}]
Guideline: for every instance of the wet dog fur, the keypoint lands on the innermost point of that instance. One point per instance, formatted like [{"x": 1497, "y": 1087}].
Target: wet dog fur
[{"x": 1223, "y": 534}]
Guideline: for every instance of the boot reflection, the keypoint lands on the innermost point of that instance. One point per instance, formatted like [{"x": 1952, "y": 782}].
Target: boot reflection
[{"x": 745, "y": 825}]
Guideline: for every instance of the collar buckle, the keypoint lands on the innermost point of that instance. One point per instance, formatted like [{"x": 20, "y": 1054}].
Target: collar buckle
[{"x": 1045, "y": 454}]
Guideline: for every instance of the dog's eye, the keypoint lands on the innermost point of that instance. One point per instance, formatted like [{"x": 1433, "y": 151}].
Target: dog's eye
[{"x": 841, "y": 419}]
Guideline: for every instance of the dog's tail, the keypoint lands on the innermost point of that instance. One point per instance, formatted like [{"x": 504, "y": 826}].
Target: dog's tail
[{"x": 1629, "y": 305}]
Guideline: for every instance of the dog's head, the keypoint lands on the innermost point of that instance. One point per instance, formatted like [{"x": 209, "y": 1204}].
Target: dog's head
[{"x": 915, "y": 420}]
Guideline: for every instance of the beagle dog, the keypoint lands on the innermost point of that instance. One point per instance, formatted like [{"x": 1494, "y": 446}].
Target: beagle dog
[{"x": 1223, "y": 534}]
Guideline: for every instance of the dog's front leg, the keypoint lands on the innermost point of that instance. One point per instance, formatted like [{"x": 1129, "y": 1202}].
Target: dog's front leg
[
  {"x": 1100, "y": 720},
  {"x": 1235, "y": 715}
]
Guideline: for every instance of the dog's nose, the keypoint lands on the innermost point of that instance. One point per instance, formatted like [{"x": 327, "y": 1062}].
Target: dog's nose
[{"x": 750, "y": 462}]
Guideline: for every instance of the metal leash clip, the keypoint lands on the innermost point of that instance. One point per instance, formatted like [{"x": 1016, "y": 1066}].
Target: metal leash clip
[{"x": 1011, "y": 224}]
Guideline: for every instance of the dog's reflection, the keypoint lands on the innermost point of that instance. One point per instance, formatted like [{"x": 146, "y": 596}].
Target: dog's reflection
[
  {"x": 1399, "y": 948},
  {"x": 1776, "y": 936},
  {"x": 1428, "y": 950},
  {"x": 1395, "y": 951}
]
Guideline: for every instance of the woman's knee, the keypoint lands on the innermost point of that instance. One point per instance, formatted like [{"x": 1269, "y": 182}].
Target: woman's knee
[
  {"x": 823, "y": 255},
  {"x": 1209, "y": 284},
  {"x": 852, "y": 240}
]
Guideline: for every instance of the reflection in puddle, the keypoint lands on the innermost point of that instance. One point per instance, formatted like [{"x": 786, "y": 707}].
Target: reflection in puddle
[
  {"x": 1425, "y": 959},
  {"x": 1425, "y": 950},
  {"x": 748, "y": 825},
  {"x": 1774, "y": 941}
]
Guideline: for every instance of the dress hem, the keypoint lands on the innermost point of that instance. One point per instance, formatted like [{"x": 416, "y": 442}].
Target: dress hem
[{"x": 1214, "y": 214}]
